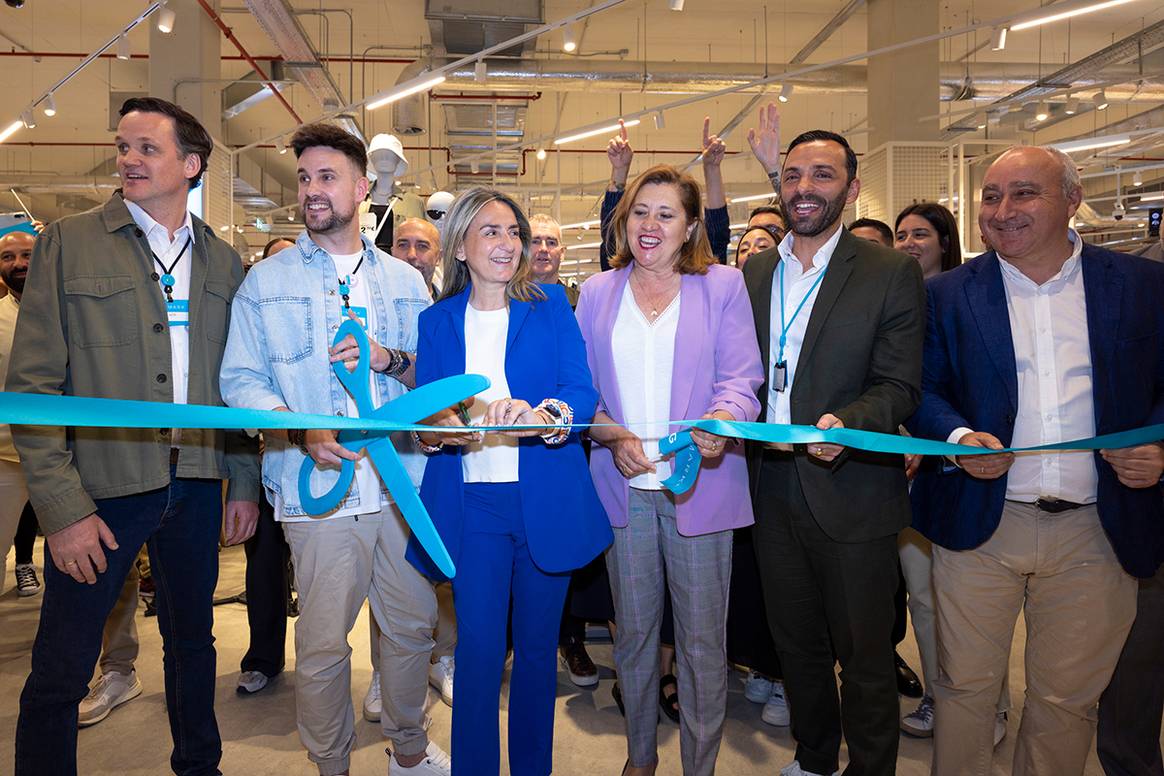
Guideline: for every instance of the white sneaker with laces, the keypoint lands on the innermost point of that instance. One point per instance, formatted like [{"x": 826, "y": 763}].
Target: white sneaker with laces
[
  {"x": 250, "y": 682},
  {"x": 776, "y": 708},
  {"x": 440, "y": 676},
  {"x": 110, "y": 691},
  {"x": 373, "y": 705},
  {"x": 757, "y": 689},
  {"x": 999, "y": 727},
  {"x": 919, "y": 723},
  {"x": 435, "y": 763},
  {"x": 27, "y": 582},
  {"x": 794, "y": 769}
]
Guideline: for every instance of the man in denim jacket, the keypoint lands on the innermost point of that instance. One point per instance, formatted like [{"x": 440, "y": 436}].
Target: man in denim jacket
[{"x": 279, "y": 356}]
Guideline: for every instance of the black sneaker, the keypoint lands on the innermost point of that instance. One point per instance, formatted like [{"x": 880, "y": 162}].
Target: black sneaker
[{"x": 27, "y": 582}]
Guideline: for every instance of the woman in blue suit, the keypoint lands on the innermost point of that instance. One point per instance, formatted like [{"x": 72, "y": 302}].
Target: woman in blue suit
[{"x": 517, "y": 510}]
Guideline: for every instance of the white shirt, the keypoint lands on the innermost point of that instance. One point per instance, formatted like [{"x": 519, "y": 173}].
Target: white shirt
[
  {"x": 644, "y": 359},
  {"x": 367, "y": 480},
  {"x": 1052, "y": 349},
  {"x": 167, "y": 251},
  {"x": 9, "y": 310},
  {"x": 494, "y": 458},
  {"x": 797, "y": 284}
]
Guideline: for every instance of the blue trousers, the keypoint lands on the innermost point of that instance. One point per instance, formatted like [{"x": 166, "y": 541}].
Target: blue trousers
[
  {"x": 495, "y": 566},
  {"x": 179, "y": 524}
]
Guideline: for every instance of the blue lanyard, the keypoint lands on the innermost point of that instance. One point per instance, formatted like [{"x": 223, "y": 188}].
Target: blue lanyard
[{"x": 784, "y": 327}]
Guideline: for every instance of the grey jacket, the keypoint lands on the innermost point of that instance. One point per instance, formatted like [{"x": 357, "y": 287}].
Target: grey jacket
[{"x": 93, "y": 323}]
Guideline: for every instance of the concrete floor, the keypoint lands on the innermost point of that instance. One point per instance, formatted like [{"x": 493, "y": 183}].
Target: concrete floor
[{"x": 259, "y": 734}]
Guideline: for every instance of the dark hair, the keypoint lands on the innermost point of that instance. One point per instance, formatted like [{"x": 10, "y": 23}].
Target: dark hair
[
  {"x": 695, "y": 255},
  {"x": 331, "y": 136},
  {"x": 944, "y": 223},
  {"x": 267, "y": 248},
  {"x": 815, "y": 135},
  {"x": 192, "y": 137},
  {"x": 872, "y": 223},
  {"x": 768, "y": 209}
]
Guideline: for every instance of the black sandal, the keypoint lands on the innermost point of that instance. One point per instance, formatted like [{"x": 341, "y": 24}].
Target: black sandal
[{"x": 669, "y": 701}]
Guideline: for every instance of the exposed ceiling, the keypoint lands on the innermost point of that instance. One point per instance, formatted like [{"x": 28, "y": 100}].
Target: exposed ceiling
[{"x": 630, "y": 58}]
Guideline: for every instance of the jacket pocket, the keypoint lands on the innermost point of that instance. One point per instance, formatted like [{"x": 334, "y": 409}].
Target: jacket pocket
[
  {"x": 102, "y": 310},
  {"x": 216, "y": 311},
  {"x": 407, "y": 312},
  {"x": 288, "y": 329}
]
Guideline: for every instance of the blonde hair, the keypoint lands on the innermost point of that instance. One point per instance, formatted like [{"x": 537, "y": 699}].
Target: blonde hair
[
  {"x": 695, "y": 255},
  {"x": 521, "y": 286}
]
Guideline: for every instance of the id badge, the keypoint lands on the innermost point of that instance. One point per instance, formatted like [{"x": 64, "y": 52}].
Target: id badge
[
  {"x": 361, "y": 313},
  {"x": 780, "y": 376},
  {"x": 178, "y": 312}
]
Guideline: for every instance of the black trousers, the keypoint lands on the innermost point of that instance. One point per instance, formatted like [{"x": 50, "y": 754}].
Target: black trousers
[
  {"x": 268, "y": 589},
  {"x": 826, "y": 597},
  {"x": 1131, "y": 707},
  {"x": 25, "y": 535}
]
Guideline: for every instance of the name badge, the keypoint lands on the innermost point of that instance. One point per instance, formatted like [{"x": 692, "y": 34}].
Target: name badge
[
  {"x": 361, "y": 313},
  {"x": 178, "y": 312},
  {"x": 780, "y": 376}
]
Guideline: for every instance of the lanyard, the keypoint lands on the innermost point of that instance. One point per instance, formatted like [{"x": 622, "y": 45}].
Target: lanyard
[
  {"x": 784, "y": 327},
  {"x": 168, "y": 278},
  {"x": 345, "y": 284}
]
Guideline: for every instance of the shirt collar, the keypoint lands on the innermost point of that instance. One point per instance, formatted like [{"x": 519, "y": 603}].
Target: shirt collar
[
  {"x": 820, "y": 259},
  {"x": 1066, "y": 273},
  {"x": 148, "y": 224},
  {"x": 308, "y": 247}
]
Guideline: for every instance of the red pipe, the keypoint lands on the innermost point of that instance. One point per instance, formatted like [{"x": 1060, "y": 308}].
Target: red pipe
[{"x": 254, "y": 65}]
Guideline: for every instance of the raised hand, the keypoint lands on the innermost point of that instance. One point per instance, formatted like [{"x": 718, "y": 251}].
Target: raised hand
[
  {"x": 713, "y": 146},
  {"x": 765, "y": 142},
  {"x": 620, "y": 154}
]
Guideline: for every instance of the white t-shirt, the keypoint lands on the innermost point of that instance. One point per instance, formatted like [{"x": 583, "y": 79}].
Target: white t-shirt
[
  {"x": 644, "y": 359},
  {"x": 367, "y": 481},
  {"x": 494, "y": 459}
]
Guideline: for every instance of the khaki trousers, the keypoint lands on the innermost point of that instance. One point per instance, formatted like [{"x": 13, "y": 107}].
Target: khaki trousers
[
  {"x": 446, "y": 630},
  {"x": 1061, "y": 572},
  {"x": 340, "y": 563},
  {"x": 13, "y": 495}
]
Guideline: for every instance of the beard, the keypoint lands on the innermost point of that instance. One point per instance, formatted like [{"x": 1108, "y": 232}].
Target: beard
[
  {"x": 14, "y": 282},
  {"x": 830, "y": 211},
  {"x": 335, "y": 221}
]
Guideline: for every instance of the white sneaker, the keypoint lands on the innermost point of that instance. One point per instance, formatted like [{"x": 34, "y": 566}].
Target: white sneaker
[
  {"x": 794, "y": 769},
  {"x": 440, "y": 676},
  {"x": 250, "y": 682},
  {"x": 110, "y": 691},
  {"x": 919, "y": 723},
  {"x": 435, "y": 763},
  {"x": 999, "y": 727},
  {"x": 373, "y": 705},
  {"x": 26, "y": 580},
  {"x": 776, "y": 708},
  {"x": 757, "y": 689}
]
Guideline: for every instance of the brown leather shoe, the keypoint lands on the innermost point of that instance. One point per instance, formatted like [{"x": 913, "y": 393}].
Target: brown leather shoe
[{"x": 578, "y": 664}]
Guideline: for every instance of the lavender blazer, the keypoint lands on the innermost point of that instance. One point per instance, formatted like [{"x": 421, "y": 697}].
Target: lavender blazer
[{"x": 717, "y": 367}]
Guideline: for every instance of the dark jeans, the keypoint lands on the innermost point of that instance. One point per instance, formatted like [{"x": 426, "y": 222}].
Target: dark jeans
[
  {"x": 25, "y": 535},
  {"x": 1131, "y": 707},
  {"x": 268, "y": 588},
  {"x": 179, "y": 524},
  {"x": 827, "y": 598}
]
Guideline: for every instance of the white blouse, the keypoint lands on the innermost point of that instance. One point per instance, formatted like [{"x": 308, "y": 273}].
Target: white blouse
[
  {"x": 494, "y": 459},
  {"x": 644, "y": 356}
]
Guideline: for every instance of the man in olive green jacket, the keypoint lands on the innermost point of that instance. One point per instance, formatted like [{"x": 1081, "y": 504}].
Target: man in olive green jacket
[{"x": 130, "y": 301}]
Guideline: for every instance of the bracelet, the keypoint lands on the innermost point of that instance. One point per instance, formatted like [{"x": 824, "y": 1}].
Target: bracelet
[
  {"x": 430, "y": 449},
  {"x": 298, "y": 437},
  {"x": 774, "y": 174},
  {"x": 563, "y": 416}
]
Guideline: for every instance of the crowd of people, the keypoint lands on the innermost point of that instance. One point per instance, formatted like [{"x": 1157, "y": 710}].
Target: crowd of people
[{"x": 785, "y": 560}]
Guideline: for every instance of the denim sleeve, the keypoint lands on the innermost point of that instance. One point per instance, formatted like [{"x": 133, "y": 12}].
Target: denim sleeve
[
  {"x": 245, "y": 378},
  {"x": 609, "y": 203},
  {"x": 719, "y": 231}
]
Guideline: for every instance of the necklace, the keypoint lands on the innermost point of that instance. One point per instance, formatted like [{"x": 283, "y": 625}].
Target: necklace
[
  {"x": 168, "y": 276},
  {"x": 346, "y": 283},
  {"x": 658, "y": 305}
]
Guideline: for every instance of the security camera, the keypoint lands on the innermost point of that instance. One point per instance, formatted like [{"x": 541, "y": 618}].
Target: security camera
[
  {"x": 1118, "y": 211},
  {"x": 15, "y": 3}
]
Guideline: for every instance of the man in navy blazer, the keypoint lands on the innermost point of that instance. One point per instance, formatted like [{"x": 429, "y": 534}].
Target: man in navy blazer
[{"x": 1042, "y": 340}]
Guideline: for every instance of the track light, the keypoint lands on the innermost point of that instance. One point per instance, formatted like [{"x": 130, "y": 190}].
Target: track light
[
  {"x": 1042, "y": 113},
  {"x": 1073, "y": 9},
  {"x": 1100, "y": 100},
  {"x": 474, "y": 167},
  {"x": 282, "y": 148},
  {"x": 569, "y": 42},
  {"x": 166, "y": 19},
  {"x": 676, "y": 5},
  {"x": 541, "y": 154},
  {"x": 28, "y": 119},
  {"x": 50, "y": 105},
  {"x": 123, "y": 47},
  {"x": 1072, "y": 106},
  {"x": 785, "y": 93},
  {"x": 660, "y": 122},
  {"x": 480, "y": 71},
  {"x": 998, "y": 38}
]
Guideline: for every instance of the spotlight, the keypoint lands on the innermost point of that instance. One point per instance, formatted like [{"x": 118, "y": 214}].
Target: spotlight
[
  {"x": 660, "y": 122},
  {"x": 1137, "y": 179},
  {"x": 785, "y": 93},
  {"x": 676, "y": 5},
  {"x": 1100, "y": 100},
  {"x": 29, "y": 119},
  {"x": 50, "y": 105},
  {"x": 541, "y": 154},
  {"x": 282, "y": 148},
  {"x": 1072, "y": 106},
  {"x": 569, "y": 42},
  {"x": 480, "y": 71},
  {"x": 998, "y": 38},
  {"x": 123, "y": 47},
  {"x": 166, "y": 19},
  {"x": 474, "y": 167},
  {"x": 1042, "y": 113}
]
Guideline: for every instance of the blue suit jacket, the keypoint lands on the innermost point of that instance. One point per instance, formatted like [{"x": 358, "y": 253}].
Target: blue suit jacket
[
  {"x": 545, "y": 358},
  {"x": 970, "y": 380}
]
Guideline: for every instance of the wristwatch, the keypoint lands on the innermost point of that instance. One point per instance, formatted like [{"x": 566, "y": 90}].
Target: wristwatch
[{"x": 400, "y": 364}]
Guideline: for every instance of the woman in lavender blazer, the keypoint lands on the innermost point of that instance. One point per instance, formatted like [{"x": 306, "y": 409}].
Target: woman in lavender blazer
[{"x": 669, "y": 335}]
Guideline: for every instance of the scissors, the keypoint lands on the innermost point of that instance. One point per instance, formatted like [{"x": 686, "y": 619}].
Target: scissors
[{"x": 408, "y": 409}]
